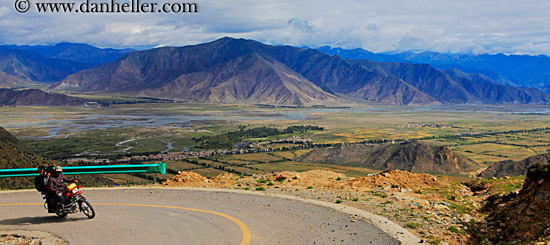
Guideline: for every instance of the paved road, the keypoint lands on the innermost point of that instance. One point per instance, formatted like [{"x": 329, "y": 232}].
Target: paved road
[{"x": 168, "y": 216}]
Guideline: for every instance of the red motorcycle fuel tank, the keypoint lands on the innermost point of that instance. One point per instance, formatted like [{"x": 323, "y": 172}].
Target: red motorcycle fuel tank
[{"x": 71, "y": 186}]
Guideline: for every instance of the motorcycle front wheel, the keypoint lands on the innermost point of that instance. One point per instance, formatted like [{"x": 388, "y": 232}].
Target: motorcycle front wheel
[{"x": 87, "y": 209}]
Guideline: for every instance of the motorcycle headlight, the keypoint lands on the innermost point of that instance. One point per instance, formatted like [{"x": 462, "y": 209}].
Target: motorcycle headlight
[{"x": 75, "y": 190}]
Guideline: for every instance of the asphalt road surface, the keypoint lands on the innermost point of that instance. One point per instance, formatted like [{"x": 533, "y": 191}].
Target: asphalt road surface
[{"x": 181, "y": 216}]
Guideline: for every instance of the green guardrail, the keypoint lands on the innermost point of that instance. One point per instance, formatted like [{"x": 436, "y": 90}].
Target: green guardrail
[{"x": 159, "y": 167}]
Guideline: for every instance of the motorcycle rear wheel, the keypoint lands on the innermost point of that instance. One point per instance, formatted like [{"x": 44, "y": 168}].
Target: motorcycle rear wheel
[{"x": 87, "y": 209}]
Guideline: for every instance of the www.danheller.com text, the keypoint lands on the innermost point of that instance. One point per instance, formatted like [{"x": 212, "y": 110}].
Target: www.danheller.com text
[{"x": 114, "y": 6}]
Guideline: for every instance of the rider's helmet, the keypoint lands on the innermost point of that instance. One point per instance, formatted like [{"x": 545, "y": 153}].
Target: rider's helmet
[{"x": 58, "y": 169}]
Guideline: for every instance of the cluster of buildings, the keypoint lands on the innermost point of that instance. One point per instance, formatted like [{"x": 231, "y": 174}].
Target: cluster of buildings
[
  {"x": 80, "y": 160},
  {"x": 423, "y": 125}
]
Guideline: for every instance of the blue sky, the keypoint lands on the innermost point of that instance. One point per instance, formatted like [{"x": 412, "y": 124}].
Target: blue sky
[{"x": 463, "y": 26}]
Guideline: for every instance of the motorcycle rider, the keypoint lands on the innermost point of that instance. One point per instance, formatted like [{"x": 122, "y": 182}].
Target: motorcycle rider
[
  {"x": 56, "y": 186},
  {"x": 40, "y": 183}
]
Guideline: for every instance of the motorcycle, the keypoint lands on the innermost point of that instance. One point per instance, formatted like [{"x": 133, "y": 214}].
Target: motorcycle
[{"x": 74, "y": 202}]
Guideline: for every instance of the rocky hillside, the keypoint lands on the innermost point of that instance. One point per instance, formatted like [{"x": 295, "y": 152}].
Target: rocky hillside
[
  {"x": 523, "y": 216},
  {"x": 409, "y": 156},
  {"x": 8, "y": 81},
  {"x": 246, "y": 71},
  {"x": 513, "y": 168},
  {"x": 10, "y": 140},
  {"x": 313, "y": 178},
  {"x": 13, "y": 154},
  {"x": 36, "y": 97}
]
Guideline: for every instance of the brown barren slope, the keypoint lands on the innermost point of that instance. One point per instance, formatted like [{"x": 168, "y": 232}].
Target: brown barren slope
[
  {"x": 513, "y": 168},
  {"x": 408, "y": 156}
]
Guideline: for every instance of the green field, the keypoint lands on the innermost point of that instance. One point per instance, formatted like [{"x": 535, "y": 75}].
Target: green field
[{"x": 144, "y": 128}]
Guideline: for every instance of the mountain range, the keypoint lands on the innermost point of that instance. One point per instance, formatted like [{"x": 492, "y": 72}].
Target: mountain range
[
  {"x": 243, "y": 71},
  {"x": 51, "y": 63},
  {"x": 246, "y": 71},
  {"x": 77, "y": 52},
  {"x": 516, "y": 70},
  {"x": 29, "y": 66}
]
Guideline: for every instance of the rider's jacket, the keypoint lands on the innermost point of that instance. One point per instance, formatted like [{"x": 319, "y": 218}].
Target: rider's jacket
[
  {"x": 57, "y": 183},
  {"x": 40, "y": 183}
]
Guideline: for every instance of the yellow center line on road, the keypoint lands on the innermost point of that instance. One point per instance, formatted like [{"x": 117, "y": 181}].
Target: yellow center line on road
[{"x": 244, "y": 228}]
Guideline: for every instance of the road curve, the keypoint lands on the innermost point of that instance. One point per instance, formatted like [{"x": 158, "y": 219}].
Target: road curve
[{"x": 184, "y": 216}]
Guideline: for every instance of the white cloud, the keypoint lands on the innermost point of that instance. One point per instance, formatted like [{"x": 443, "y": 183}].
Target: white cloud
[{"x": 382, "y": 26}]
